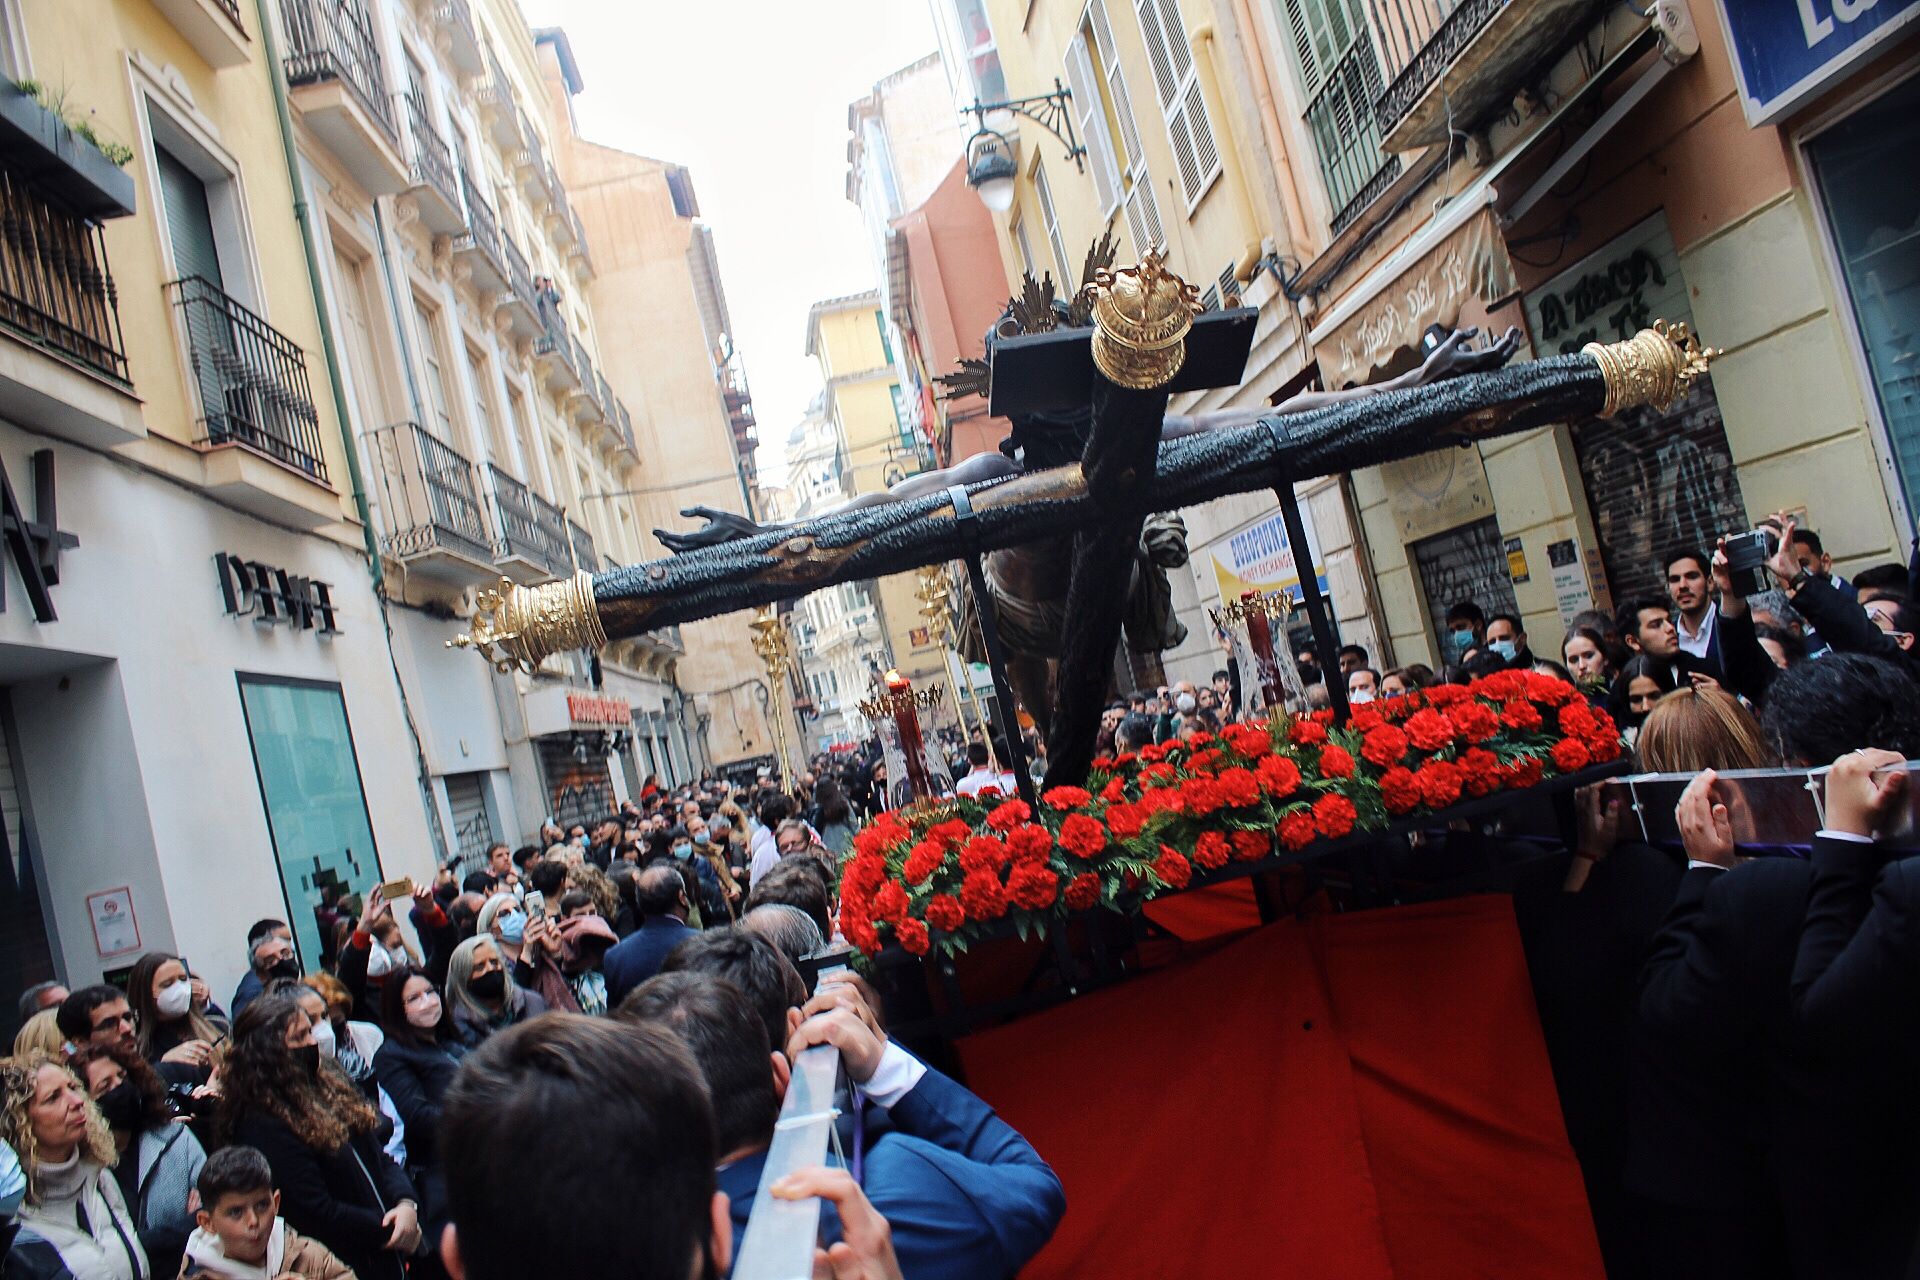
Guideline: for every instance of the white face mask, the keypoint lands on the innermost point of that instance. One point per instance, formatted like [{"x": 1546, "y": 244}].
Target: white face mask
[
  {"x": 323, "y": 1036},
  {"x": 424, "y": 1012},
  {"x": 381, "y": 962},
  {"x": 174, "y": 999},
  {"x": 1360, "y": 695}
]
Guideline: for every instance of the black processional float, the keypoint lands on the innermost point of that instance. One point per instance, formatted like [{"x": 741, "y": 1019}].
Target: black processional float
[{"x": 1147, "y": 340}]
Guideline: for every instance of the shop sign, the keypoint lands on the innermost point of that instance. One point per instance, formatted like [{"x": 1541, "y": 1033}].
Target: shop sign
[
  {"x": 1258, "y": 557},
  {"x": 588, "y": 710},
  {"x": 34, "y": 542},
  {"x": 1786, "y": 51},
  {"x": 273, "y": 597},
  {"x": 1612, "y": 294},
  {"x": 558, "y": 709}
]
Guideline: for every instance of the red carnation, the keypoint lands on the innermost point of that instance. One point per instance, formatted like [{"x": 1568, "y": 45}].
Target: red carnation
[
  {"x": 1520, "y": 714},
  {"x": 1030, "y": 842},
  {"x": 1033, "y": 887},
  {"x": 1384, "y": 746},
  {"x": 1279, "y": 776},
  {"x": 1250, "y": 846},
  {"x": 1445, "y": 695},
  {"x": 1157, "y": 799},
  {"x": 1335, "y": 762},
  {"x": 1066, "y": 797},
  {"x": 1524, "y": 772},
  {"x": 1551, "y": 690},
  {"x": 1603, "y": 745},
  {"x": 878, "y": 838},
  {"x": 1576, "y": 718},
  {"x": 1126, "y": 821},
  {"x": 1429, "y": 730},
  {"x": 1200, "y": 796},
  {"x": 861, "y": 934},
  {"x": 1173, "y": 868},
  {"x": 864, "y": 874},
  {"x": 913, "y": 936},
  {"x": 1083, "y": 891},
  {"x": 1297, "y": 830},
  {"x": 1210, "y": 850},
  {"x": 1570, "y": 755},
  {"x": 1334, "y": 815},
  {"x": 1159, "y": 773},
  {"x": 1308, "y": 733},
  {"x": 1399, "y": 791},
  {"x": 1082, "y": 836},
  {"x": 1200, "y": 739},
  {"x": 1365, "y": 716},
  {"x": 1251, "y": 741},
  {"x": 983, "y": 896},
  {"x": 984, "y": 853},
  {"x": 1238, "y": 788},
  {"x": 1153, "y": 753},
  {"x": 923, "y": 862},
  {"x": 1440, "y": 782},
  {"x": 1474, "y": 721},
  {"x": 891, "y": 902},
  {"x": 950, "y": 833},
  {"x": 1005, "y": 816},
  {"x": 1481, "y": 769},
  {"x": 945, "y": 913},
  {"x": 1116, "y": 789}
]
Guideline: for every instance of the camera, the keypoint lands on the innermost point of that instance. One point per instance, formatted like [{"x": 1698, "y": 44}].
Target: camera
[{"x": 1747, "y": 556}]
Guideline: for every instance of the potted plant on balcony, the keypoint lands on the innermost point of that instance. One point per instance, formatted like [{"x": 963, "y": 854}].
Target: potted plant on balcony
[{"x": 66, "y": 162}]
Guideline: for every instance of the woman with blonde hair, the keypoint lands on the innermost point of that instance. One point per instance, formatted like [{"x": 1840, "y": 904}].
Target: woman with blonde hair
[
  {"x": 40, "y": 1032},
  {"x": 1701, "y": 728},
  {"x": 74, "y": 1221}
]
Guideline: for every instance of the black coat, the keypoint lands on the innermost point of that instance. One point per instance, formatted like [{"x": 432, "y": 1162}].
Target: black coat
[
  {"x": 1844, "y": 625},
  {"x": 337, "y": 1197},
  {"x": 416, "y": 1077}
]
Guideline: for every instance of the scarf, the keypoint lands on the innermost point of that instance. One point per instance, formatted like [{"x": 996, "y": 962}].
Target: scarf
[
  {"x": 582, "y": 941},
  {"x": 79, "y": 1211},
  {"x": 205, "y": 1251}
]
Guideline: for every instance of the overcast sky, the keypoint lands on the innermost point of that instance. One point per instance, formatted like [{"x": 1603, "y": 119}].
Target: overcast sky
[{"x": 752, "y": 96}]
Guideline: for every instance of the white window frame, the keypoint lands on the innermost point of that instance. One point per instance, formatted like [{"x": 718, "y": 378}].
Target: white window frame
[
  {"x": 1144, "y": 224},
  {"x": 1043, "y": 192},
  {"x": 166, "y": 120},
  {"x": 1183, "y": 107}
]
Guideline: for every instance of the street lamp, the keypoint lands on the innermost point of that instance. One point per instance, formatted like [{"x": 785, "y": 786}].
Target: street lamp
[{"x": 990, "y": 163}]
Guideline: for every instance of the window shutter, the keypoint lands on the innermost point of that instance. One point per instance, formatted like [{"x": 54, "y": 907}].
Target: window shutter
[
  {"x": 1181, "y": 101},
  {"x": 1303, "y": 47},
  {"x": 1093, "y": 124},
  {"x": 1143, "y": 216},
  {"x": 189, "y": 220}
]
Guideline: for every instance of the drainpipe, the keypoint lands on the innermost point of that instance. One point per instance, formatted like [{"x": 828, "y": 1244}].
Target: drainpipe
[
  {"x": 269, "y": 47},
  {"x": 1263, "y": 61}
]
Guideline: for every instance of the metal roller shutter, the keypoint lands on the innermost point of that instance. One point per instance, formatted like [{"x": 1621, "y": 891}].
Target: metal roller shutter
[{"x": 1466, "y": 563}]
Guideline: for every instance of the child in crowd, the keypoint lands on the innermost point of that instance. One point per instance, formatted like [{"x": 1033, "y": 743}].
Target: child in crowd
[{"x": 241, "y": 1236}]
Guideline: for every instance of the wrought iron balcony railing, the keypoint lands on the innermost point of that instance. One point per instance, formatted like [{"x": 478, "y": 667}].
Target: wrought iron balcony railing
[
  {"x": 55, "y": 289},
  {"x": 232, "y": 9},
  {"x": 429, "y": 498},
  {"x": 583, "y": 548},
  {"x": 1419, "y": 41},
  {"x": 432, "y": 158},
  {"x": 483, "y": 229},
  {"x": 519, "y": 275},
  {"x": 530, "y": 527},
  {"x": 334, "y": 40},
  {"x": 251, "y": 378},
  {"x": 1346, "y": 133}
]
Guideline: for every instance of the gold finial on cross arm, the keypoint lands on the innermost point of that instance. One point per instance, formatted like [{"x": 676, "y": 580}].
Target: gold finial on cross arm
[
  {"x": 516, "y": 626},
  {"x": 1653, "y": 367}
]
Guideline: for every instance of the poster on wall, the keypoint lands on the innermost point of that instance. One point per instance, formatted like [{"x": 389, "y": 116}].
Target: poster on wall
[
  {"x": 116, "y": 931},
  {"x": 1612, "y": 293},
  {"x": 1258, "y": 557}
]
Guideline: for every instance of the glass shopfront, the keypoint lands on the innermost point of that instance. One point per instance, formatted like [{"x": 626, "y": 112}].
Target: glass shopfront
[{"x": 1873, "y": 217}]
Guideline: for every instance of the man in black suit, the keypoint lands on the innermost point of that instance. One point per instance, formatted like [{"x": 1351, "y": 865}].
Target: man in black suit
[{"x": 663, "y": 926}]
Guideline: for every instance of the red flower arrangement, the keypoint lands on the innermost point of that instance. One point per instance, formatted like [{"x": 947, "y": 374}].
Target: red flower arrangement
[{"x": 1152, "y": 823}]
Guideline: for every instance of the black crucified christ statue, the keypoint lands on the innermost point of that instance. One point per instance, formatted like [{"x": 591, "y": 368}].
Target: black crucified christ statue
[{"x": 1029, "y": 583}]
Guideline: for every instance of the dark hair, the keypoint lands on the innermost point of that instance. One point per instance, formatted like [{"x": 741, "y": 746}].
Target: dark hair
[
  {"x": 1415, "y": 675},
  {"x": 832, "y": 801},
  {"x": 140, "y": 995},
  {"x": 479, "y": 882},
  {"x": 1598, "y": 620},
  {"x": 262, "y": 930},
  {"x": 1137, "y": 729},
  {"x": 1608, "y": 647},
  {"x": 573, "y": 899},
  {"x": 146, "y": 1081},
  {"x": 1655, "y": 669},
  {"x": 536, "y": 1096},
  {"x": 1793, "y": 645},
  {"x": 977, "y": 754},
  {"x": 1882, "y": 577},
  {"x": 549, "y": 876},
  {"x": 1809, "y": 539},
  {"x": 774, "y": 810},
  {"x": 1674, "y": 555},
  {"x": 524, "y": 854},
  {"x": 1558, "y": 669},
  {"x": 393, "y": 1009},
  {"x": 1357, "y": 650},
  {"x": 658, "y": 891},
  {"x": 1627, "y": 623},
  {"x": 716, "y": 1022},
  {"x": 1221, "y": 674},
  {"x": 1484, "y": 662},
  {"x": 1906, "y": 617},
  {"x": 1817, "y": 712},
  {"x": 1511, "y": 620},
  {"x": 75, "y": 1018},
  {"x": 261, "y": 1074},
  {"x": 1466, "y": 611},
  {"x": 750, "y": 963},
  {"x": 30, "y": 998},
  {"x": 798, "y": 882},
  {"x": 232, "y": 1171}
]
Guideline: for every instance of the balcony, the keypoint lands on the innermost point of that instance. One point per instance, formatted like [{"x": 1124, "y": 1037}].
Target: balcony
[
  {"x": 553, "y": 352},
  {"x": 583, "y": 552},
  {"x": 627, "y": 444},
  {"x": 498, "y": 106},
  {"x": 1346, "y": 134},
  {"x": 453, "y": 21},
  {"x": 212, "y": 27},
  {"x": 255, "y": 405},
  {"x": 579, "y": 250},
  {"x": 587, "y": 409},
  {"x": 430, "y": 509},
  {"x": 519, "y": 300},
  {"x": 532, "y": 544},
  {"x": 530, "y": 163},
  {"x": 436, "y": 189},
  {"x": 478, "y": 247},
  {"x": 561, "y": 227},
  {"x": 65, "y": 370},
  {"x": 1452, "y": 63},
  {"x": 339, "y": 85}
]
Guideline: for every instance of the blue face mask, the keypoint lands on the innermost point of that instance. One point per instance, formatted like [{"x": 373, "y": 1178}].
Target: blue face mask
[
  {"x": 701, "y": 837},
  {"x": 513, "y": 926},
  {"x": 1458, "y": 642},
  {"x": 1505, "y": 648},
  {"x": 683, "y": 851}
]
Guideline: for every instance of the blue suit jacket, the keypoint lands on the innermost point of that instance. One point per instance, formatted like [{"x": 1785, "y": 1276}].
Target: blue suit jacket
[
  {"x": 636, "y": 958},
  {"x": 967, "y": 1197}
]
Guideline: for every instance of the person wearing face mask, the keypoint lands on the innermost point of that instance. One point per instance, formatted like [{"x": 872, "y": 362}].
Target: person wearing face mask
[
  {"x": 712, "y": 856},
  {"x": 158, "y": 1159},
  {"x": 711, "y": 902},
  {"x": 377, "y": 948},
  {"x": 483, "y": 995},
  {"x": 1507, "y": 638},
  {"x": 176, "y": 1021},
  {"x": 1363, "y": 685},
  {"x": 351, "y": 1044},
  {"x": 1466, "y": 631},
  {"x": 269, "y": 955},
  {"x": 416, "y": 1065},
  {"x": 320, "y": 1136},
  {"x": 73, "y": 1222}
]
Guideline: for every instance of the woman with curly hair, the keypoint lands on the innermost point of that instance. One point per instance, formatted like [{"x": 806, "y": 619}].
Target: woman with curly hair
[
  {"x": 74, "y": 1221},
  {"x": 320, "y": 1136},
  {"x": 349, "y": 1043},
  {"x": 158, "y": 1159}
]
